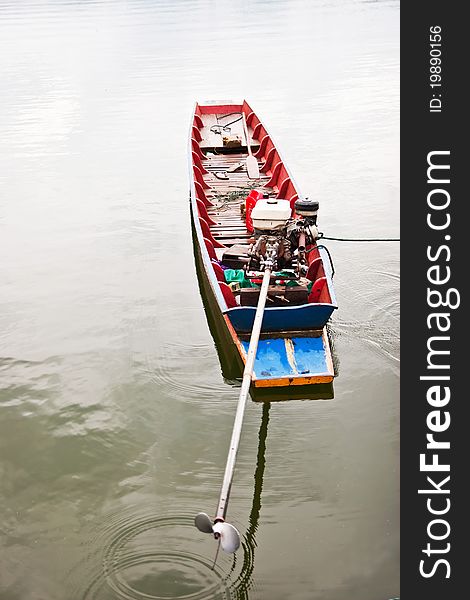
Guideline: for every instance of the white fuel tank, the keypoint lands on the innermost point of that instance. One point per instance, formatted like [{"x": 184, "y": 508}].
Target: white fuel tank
[{"x": 270, "y": 214}]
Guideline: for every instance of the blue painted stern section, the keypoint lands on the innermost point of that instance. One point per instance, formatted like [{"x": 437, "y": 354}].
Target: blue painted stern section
[{"x": 298, "y": 358}]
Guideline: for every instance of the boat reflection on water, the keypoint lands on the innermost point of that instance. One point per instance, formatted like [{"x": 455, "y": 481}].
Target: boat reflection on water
[{"x": 230, "y": 360}]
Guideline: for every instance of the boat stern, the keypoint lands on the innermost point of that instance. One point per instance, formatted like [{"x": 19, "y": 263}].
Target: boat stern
[{"x": 289, "y": 359}]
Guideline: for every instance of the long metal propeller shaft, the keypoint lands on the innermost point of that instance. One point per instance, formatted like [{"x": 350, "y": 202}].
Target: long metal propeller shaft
[
  {"x": 247, "y": 373},
  {"x": 227, "y": 534}
]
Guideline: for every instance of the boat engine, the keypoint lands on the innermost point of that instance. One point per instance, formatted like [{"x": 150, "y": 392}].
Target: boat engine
[
  {"x": 279, "y": 235},
  {"x": 302, "y": 231},
  {"x": 270, "y": 217}
]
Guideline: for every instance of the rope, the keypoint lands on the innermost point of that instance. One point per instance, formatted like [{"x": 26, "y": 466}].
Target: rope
[
  {"x": 225, "y": 127},
  {"x": 329, "y": 256},
  {"x": 335, "y": 239}
]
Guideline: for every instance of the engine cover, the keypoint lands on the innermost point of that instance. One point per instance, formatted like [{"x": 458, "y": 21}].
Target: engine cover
[{"x": 270, "y": 214}]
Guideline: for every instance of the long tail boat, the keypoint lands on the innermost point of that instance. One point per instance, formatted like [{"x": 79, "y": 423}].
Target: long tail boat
[{"x": 248, "y": 215}]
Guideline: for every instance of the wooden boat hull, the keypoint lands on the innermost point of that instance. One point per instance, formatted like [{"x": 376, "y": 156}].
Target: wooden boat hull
[{"x": 294, "y": 348}]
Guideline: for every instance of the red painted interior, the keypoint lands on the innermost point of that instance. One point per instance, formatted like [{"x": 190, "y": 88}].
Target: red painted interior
[
  {"x": 201, "y": 194},
  {"x": 292, "y": 200},
  {"x": 283, "y": 188},
  {"x": 220, "y": 109},
  {"x": 228, "y": 294},
  {"x": 251, "y": 119},
  {"x": 210, "y": 249},
  {"x": 219, "y": 272},
  {"x": 250, "y": 202},
  {"x": 197, "y": 149},
  {"x": 197, "y": 134},
  {"x": 260, "y": 153},
  {"x": 197, "y": 161},
  {"x": 268, "y": 159},
  {"x": 275, "y": 174},
  {"x": 259, "y": 131},
  {"x": 313, "y": 268},
  {"x": 202, "y": 210},
  {"x": 316, "y": 290},
  {"x": 200, "y": 178},
  {"x": 206, "y": 232}
]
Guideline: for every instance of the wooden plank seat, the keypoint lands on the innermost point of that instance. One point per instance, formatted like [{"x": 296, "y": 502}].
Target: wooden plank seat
[
  {"x": 278, "y": 295},
  {"x": 235, "y": 241},
  {"x": 230, "y": 232}
]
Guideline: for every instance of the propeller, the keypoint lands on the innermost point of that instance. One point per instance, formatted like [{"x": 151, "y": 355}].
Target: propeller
[{"x": 227, "y": 534}]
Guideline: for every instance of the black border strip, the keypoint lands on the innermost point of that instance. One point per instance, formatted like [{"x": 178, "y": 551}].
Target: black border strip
[{"x": 422, "y": 132}]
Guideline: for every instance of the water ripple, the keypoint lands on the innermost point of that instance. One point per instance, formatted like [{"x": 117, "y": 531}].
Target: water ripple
[{"x": 157, "y": 558}]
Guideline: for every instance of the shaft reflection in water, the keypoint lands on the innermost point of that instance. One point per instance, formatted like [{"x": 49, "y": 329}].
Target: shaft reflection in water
[{"x": 244, "y": 581}]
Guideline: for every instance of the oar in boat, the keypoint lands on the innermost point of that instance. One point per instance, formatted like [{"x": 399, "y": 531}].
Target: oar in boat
[
  {"x": 251, "y": 162},
  {"x": 227, "y": 534}
]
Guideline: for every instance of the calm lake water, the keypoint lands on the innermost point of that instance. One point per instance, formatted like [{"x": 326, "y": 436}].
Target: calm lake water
[{"x": 115, "y": 418}]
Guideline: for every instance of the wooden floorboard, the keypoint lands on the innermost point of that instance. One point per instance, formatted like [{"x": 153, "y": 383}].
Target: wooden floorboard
[
  {"x": 227, "y": 194},
  {"x": 214, "y": 140}
]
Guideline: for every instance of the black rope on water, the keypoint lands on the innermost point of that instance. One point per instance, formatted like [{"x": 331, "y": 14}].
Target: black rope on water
[
  {"x": 329, "y": 256},
  {"x": 336, "y": 239}
]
